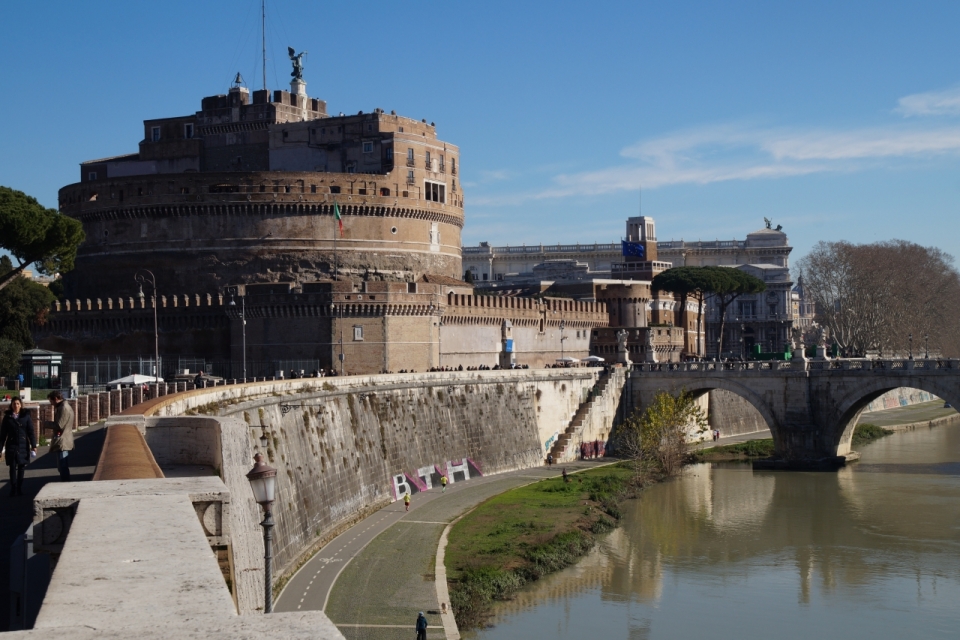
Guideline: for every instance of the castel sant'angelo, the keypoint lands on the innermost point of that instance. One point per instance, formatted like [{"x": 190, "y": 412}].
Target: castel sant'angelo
[{"x": 273, "y": 227}]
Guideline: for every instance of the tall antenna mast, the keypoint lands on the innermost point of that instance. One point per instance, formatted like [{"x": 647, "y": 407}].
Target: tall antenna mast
[{"x": 263, "y": 39}]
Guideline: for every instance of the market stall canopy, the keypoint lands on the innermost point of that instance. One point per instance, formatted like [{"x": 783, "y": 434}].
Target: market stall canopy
[{"x": 134, "y": 379}]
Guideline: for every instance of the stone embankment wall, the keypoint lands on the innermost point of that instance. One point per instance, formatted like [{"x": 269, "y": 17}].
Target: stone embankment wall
[
  {"x": 902, "y": 397},
  {"x": 346, "y": 446}
]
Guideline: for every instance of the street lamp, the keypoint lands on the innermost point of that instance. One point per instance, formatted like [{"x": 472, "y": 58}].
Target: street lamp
[
  {"x": 339, "y": 309},
  {"x": 926, "y": 346},
  {"x": 910, "y": 339},
  {"x": 263, "y": 481},
  {"x": 146, "y": 276},
  {"x": 563, "y": 325},
  {"x": 243, "y": 323}
]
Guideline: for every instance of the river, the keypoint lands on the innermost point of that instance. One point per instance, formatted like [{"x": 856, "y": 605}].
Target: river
[{"x": 871, "y": 551}]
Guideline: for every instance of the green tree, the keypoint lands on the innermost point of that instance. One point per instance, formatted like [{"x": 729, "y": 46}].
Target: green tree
[
  {"x": 36, "y": 235},
  {"x": 688, "y": 282},
  {"x": 468, "y": 276},
  {"x": 9, "y": 357},
  {"x": 22, "y": 304},
  {"x": 656, "y": 440},
  {"x": 730, "y": 284}
]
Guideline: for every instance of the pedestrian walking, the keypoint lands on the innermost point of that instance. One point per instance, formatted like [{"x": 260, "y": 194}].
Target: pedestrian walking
[
  {"x": 421, "y": 626},
  {"x": 16, "y": 433},
  {"x": 583, "y": 450},
  {"x": 62, "y": 426},
  {"x": 443, "y": 484},
  {"x": 406, "y": 501},
  {"x": 549, "y": 459}
]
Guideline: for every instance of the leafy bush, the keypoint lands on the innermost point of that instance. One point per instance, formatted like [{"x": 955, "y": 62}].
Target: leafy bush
[{"x": 866, "y": 433}]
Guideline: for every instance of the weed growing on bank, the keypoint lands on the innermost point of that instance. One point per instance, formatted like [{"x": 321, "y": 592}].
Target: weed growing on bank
[
  {"x": 867, "y": 433},
  {"x": 526, "y": 533}
]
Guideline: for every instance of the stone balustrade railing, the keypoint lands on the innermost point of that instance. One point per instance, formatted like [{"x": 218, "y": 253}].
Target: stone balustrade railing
[{"x": 861, "y": 365}]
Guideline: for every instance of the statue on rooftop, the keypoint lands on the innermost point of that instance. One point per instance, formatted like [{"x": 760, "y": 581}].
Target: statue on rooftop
[
  {"x": 766, "y": 220},
  {"x": 297, "y": 59}
]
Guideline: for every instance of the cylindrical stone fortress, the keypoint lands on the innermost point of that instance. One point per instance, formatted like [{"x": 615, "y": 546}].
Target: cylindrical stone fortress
[{"x": 244, "y": 192}]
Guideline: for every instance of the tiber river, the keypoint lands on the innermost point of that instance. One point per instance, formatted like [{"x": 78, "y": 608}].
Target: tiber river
[{"x": 872, "y": 551}]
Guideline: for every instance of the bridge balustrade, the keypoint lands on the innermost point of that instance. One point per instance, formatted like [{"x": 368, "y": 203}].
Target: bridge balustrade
[{"x": 838, "y": 364}]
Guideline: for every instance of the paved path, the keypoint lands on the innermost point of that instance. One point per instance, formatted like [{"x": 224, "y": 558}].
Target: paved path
[
  {"x": 18, "y": 511},
  {"x": 921, "y": 412},
  {"x": 379, "y": 594}
]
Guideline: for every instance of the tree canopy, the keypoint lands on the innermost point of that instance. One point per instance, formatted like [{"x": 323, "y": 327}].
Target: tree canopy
[
  {"x": 688, "y": 282},
  {"x": 730, "y": 284},
  {"x": 36, "y": 235},
  {"x": 872, "y": 297}
]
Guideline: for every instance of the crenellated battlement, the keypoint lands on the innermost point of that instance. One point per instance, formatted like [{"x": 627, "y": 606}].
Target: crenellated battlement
[{"x": 184, "y": 301}]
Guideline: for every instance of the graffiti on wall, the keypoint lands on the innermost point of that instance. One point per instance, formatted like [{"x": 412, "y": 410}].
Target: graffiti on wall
[{"x": 426, "y": 478}]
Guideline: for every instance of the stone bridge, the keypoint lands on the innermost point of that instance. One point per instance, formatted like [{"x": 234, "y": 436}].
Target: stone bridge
[{"x": 811, "y": 406}]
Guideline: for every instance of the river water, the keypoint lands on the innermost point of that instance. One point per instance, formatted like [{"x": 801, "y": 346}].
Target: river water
[{"x": 872, "y": 551}]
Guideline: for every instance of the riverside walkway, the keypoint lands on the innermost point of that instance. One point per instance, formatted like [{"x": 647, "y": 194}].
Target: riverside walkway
[{"x": 373, "y": 579}]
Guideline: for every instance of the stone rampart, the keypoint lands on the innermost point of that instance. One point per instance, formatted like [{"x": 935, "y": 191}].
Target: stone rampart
[{"x": 346, "y": 446}]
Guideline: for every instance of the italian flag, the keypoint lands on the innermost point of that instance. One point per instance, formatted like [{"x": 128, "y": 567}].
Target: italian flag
[{"x": 336, "y": 213}]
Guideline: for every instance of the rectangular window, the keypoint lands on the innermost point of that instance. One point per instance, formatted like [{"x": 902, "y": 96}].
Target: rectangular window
[
  {"x": 313, "y": 188},
  {"x": 401, "y": 130},
  {"x": 384, "y": 191},
  {"x": 428, "y": 157},
  {"x": 410, "y": 177},
  {"x": 441, "y": 163},
  {"x": 361, "y": 192},
  {"x": 351, "y": 168},
  {"x": 155, "y": 134},
  {"x": 410, "y": 157},
  {"x": 92, "y": 175},
  {"x": 334, "y": 189},
  {"x": 358, "y": 333},
  {"x": 188, "y": 130},
  {"x": 435, "y": 191},
  {"x": 368, "y": 147},
  {"x": 389, "y": 153},
  {"x": 453, "y": 166}
]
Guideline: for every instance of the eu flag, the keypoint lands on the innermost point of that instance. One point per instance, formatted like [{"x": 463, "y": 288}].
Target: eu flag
[{"x": 632, "y": 249}]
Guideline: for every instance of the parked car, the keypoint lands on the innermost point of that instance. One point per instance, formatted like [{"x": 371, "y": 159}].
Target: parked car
[{"x": 946, "y": 405}]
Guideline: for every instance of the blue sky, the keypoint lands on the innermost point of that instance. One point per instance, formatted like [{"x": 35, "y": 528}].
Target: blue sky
[{"x": 838, "y": 120}]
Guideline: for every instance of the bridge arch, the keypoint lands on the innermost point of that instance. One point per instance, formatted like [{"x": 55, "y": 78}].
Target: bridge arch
[
  {"x": 699, "y": 386},
  {"x": 850, "y": 406}
]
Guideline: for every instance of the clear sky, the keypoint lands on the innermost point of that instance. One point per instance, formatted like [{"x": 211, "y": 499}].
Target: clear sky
[{"x": 838, "y": 120}]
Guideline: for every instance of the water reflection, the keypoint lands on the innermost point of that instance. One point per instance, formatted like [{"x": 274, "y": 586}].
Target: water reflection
[{"x": 806, "y": 551}]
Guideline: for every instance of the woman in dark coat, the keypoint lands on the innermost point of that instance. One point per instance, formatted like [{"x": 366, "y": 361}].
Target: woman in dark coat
[{"x": 16, "y": 434}]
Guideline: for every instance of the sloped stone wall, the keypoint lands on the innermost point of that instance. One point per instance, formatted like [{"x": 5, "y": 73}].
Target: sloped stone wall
[{"x": 346, "y": 446}]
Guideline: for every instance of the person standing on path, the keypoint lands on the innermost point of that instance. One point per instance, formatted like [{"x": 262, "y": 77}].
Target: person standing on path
[
  {"x": 406, "y": 501},
  {"x": 62, "y": 426},
  {"x": 16, "y": 432},
  {"x": 443, "y": 484},
  {"x": 421, "y": 626}
]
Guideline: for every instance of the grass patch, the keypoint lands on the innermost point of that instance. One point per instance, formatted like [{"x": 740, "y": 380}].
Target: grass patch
[
  {"x": 867, "y": 433},
  {"x": 529, "y": 532},
  {"x": 740, "y": 451}
]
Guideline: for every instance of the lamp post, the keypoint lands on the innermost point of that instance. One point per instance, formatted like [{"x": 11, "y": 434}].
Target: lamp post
[
  {"x": 146, "y": 276},
  {"x": 563, "y": 325},
  {"x": 910, "y": 340},
  {"x": 243, "y": 323},
  {"x": 339, "y": 309},
  {"x": 263, "y": 481},
  {"x": 926, "y": 346}
]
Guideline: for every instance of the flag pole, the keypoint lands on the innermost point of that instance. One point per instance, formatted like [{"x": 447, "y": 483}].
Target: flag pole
[{"x": 336, "y": 271}]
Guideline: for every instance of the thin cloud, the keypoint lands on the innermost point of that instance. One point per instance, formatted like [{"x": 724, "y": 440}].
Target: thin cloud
[
  {"x": 740, "y": 151},
  {"x": 930, "y": 103}
]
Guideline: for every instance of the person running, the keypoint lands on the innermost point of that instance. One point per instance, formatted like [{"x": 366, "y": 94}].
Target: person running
[
  {"x": 421, "y": 626},
  {"x": 406, "y": 501},
  {"x": 443, "y": 484}
]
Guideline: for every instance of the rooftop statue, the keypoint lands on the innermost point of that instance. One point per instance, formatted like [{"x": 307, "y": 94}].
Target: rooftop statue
[
  {"x": 297, "y": 59},
  {"x": 766, "y": 220}
]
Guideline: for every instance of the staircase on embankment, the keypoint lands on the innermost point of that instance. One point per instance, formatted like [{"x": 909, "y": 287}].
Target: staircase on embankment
[{"x": 594, "y": 416}]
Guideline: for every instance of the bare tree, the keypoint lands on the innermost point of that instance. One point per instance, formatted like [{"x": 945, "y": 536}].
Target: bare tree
[{"x": 874, "y": 296}]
